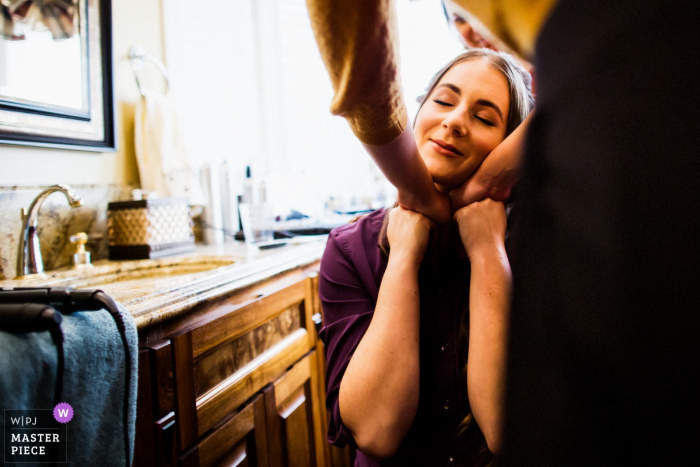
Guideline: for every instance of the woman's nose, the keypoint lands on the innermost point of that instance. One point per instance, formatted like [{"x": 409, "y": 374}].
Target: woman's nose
[{"x": 455, "y": 123}]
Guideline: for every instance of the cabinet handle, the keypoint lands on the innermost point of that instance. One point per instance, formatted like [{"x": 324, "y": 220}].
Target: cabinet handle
[{"x": 318, "y": 321}]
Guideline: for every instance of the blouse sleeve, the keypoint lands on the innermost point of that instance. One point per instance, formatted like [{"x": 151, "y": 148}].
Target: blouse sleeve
[
  {"x": 348, "y": 308},
  {"x": 358, "y": 44}
]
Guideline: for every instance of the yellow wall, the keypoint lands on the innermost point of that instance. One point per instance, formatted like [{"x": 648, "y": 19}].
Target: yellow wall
[{"x": 134, "y": 22}]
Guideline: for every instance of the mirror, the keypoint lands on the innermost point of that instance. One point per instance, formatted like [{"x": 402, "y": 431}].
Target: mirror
[{"x": 56, "y": 74}]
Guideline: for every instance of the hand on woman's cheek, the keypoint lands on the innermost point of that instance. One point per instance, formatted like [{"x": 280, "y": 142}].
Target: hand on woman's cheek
[
  {"x": 409, "y": 234},
  {"x": 482, "y": 227}
]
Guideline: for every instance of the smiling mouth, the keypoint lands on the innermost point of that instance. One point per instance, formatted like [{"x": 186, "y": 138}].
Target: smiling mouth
[{"x": 444, "y": 148}]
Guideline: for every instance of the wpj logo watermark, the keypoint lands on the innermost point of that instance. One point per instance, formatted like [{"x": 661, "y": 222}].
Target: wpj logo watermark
[{"x": 37, "y": 435}]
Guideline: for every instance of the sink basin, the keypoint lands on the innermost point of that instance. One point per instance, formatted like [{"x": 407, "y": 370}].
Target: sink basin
[{"x": 108, "y": 272}]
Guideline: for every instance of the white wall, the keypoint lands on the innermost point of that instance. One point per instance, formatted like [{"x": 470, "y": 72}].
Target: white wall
[
  {"x": 133, "y": 22},
  {"x": 251, "y": 89}
]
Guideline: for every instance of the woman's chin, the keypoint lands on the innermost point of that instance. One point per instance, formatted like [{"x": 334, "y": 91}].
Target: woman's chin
[
  {"x": 445, "y": 182},
  {"x": 446, "y": 175}
]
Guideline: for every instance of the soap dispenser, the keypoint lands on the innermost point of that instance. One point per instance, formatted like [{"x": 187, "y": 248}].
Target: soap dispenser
[{"x": 81, "y": 258}]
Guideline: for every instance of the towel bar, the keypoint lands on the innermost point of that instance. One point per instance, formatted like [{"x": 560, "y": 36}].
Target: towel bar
[{"x": 137, "y": 57}]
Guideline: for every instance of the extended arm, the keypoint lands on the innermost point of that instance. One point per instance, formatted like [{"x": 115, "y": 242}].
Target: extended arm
[
  {"x": 482, "y": 230},
  {"x": 379, "y": 391},
  {"x": 358, "y": 43}
]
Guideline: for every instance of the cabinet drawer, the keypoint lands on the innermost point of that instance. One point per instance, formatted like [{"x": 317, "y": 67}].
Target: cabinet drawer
[{"x": 223, "y": 359}]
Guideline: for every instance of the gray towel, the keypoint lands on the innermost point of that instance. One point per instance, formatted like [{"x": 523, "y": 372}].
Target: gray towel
[{"x": 93, "y": 383}]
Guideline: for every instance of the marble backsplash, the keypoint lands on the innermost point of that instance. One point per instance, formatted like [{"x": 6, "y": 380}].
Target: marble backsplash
[{"x": 57, "y": 222}]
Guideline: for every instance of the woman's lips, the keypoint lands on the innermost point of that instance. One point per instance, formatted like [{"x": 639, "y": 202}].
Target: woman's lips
[{"x": 444, "y": 148}]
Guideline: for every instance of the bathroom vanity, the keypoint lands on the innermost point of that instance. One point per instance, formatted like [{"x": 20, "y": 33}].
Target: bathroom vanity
[{"x": 231, "y": 369}]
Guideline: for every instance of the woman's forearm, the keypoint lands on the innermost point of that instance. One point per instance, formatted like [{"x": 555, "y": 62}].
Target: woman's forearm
[
  {"x": 379, "y": 392},
  {"x": 403, "y": 166},
  {"x": 488, "y": 329}
]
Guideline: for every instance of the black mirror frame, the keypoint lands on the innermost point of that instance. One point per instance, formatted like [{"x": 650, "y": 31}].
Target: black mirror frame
[{"x": 37, "y": 120}]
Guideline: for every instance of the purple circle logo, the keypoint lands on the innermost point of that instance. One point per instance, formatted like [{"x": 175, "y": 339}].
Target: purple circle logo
[{"x": 63, "y": 412}]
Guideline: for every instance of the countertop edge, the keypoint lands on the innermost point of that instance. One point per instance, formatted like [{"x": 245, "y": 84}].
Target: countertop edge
[{"x": 151, "y": 316}]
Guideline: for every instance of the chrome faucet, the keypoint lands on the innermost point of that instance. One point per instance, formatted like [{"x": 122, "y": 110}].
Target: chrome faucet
[{"x": 29, "y": 255}]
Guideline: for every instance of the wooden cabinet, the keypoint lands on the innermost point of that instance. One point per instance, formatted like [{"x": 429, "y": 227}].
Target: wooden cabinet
[
  {"x": 238, "y": 381},
  {"x": 240, "y": 439},
  {"x": 294, "y": 417}
]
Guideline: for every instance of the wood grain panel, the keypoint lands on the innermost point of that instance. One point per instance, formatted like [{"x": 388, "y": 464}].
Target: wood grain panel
[
  {"x": 318, "y": 386},
  {"x": 206, "y": 313},
  {"x": 235, "y": 390},
  {"x": 161, "y": 364},
  {"x": 275, "y": 448},
  {"x": 239, "y": 439},
  {"x": 260, "y": 457},
  {"x": 165, "y": 441},
  {"x": 144, "y": 453},
  {"x": 294, "y": 413},
  {"x": 233, "y": 430},
  {"x": 186, "y": 410},
  {"x": 318, "y": 413},
  {"x": 295, "y": 416},
  {"x": 218, "y": 364},
  {"x": 292, "y": 380},
  {"x": 308, "y": 311},
  {"x": 245, "y": 319},
  {"x": 238, "y": 457}
]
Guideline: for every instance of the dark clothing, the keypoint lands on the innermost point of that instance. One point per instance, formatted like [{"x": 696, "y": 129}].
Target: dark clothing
[
  {"x": 603, "y": 365},
  {"x": 351, "y": 273}
]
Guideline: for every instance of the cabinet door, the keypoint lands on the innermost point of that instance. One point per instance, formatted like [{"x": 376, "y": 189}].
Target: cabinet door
[
  {"x": 334, "y": 456},
  {"x": 293, "y": 417},
  {"x": 226, "y": 356},
  {"x": 239, "y": 440}
]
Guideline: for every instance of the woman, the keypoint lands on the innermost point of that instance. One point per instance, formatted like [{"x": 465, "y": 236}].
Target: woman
[{"x": 397, "y": 328}]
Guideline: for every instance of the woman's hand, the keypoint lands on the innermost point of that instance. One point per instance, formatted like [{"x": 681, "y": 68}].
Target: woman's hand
[
  {"x": 409, "y": 234},
  {"x": 432, "y": 204},
  {"x": 497, "y": 174},
  {"x": 489, "y": 181},
  {"x": 482, "y": 227}
]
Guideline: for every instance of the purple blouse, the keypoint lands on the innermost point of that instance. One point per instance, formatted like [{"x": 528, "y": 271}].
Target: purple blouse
[{"x": 351, "y": 273}]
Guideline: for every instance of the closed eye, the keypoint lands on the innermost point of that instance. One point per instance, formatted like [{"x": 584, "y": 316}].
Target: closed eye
[
  {"x": 485, "y": 121},
  {"x": 442, "y": 103}
]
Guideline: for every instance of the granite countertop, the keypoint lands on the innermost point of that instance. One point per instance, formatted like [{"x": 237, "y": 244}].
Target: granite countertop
[{"x": 157, "y": 290}]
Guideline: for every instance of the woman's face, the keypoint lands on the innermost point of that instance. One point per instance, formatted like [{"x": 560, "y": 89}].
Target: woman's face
[
  {"x": 462, "y": 121},
  {"x": 467, "y": 32}
]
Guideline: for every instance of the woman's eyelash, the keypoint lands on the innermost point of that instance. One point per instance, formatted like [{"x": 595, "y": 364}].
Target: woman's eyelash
[
  {"x": 487, "y": 122},
  {"x": 443, "y": 103}
]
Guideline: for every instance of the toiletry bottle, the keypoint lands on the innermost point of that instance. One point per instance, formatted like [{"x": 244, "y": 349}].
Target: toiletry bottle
[
  {"x": 262, "y": 192},
  {"x": 227, "y": 212},
  {"x": 248, "y": 186}
]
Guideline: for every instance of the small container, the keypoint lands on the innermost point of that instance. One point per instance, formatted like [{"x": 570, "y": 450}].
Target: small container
[
  {"x": 81, "y": 257},
  {"x": 257, "y": 223},
  {"x": 149, "y": 228}
]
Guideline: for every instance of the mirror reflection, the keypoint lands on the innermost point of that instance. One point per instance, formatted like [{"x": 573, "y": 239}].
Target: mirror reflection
[{"x": 43, "y": 53}]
